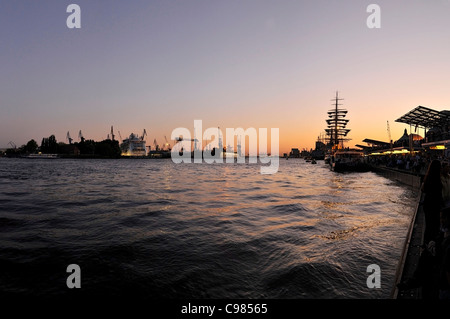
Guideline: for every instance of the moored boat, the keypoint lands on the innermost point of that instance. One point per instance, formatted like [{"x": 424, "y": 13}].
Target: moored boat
[
  {"x": 349, "y": 161},
  {"x": 134, "y": 146},
  {"x": 40, "y": 156},
  {"x": 339, "y": 157}
]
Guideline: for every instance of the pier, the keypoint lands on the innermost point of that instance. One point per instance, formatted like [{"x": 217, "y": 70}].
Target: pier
[
  {"x": 406, "y": 178},
  {"x": 419, "y": 151},
  {"x": 410, "y": 255}
]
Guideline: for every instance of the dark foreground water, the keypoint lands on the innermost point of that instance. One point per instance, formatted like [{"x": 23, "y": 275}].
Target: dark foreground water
[{"x": 155, "y": 229}]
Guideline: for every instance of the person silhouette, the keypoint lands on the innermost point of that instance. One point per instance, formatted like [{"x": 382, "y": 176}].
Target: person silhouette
[
  {"x": 432, "y": 202},
  {"x": 445, "y": 180},
  {"x": 444, "y": 255},
  {"x": 428, "y": 272}
]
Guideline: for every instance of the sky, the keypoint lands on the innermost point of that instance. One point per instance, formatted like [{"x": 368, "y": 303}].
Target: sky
[{"x": 160, "y": 65}]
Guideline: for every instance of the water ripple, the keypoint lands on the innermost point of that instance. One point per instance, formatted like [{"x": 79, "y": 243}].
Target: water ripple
[{"x": 156, "y": 229}]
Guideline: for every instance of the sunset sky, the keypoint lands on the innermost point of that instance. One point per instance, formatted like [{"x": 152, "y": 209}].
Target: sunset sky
[{"x": 159, "y": 65}]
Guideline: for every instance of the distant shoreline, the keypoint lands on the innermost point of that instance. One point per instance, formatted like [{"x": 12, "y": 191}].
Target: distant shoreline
[{"x": 59, "y": 156}]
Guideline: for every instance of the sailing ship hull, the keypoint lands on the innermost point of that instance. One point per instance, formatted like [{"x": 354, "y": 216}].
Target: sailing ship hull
[
  {"x": 349, "y": 161},
  {"x": 350, "y": 167}
]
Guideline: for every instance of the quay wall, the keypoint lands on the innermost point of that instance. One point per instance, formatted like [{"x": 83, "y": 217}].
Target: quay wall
[
  {"x": 411, "y": 249},
  {"x": 410, "y": 179}
]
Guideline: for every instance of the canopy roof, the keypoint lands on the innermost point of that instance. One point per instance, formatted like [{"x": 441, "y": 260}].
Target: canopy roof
[
  {"x": 375, "y": 142},
  {"x": 425, "y": 117}
]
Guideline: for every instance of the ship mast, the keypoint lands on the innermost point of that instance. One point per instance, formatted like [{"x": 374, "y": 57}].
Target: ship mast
[{"x": 337, "y": 123}]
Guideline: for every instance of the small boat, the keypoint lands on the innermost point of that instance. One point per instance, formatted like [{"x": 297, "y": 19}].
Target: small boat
[
  {"x": 40, "y": 155},
  {"x": 313, "y": 161}
]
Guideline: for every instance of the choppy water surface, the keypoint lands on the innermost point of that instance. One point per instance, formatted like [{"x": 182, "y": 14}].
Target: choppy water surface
[{"x": 152, "y": 228}]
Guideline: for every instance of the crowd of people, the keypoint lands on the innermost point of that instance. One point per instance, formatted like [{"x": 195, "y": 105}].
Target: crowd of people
[
  {"x": 416, "y": 163},
  {"x": 433, "y": 271}
]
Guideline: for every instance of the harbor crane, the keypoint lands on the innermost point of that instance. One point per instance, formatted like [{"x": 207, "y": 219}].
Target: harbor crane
[
  {"x": 389, "y": 134},
  {"x": 120, "y": 136},
  {"x": 80, "y": 136},
  {"x": 143, "y": 134},
  {"x": 112, "y": 133},
  {"x": 12, "y": 144},
  {"x": 167, "y": 143},
  {"x": 69, "y": 138},
  {"x": 179, "y": 139},
  {"x": 156, "y": 145}
]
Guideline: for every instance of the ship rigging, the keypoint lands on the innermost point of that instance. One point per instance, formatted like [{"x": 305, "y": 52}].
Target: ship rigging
[{"x": 337, "y": 130}]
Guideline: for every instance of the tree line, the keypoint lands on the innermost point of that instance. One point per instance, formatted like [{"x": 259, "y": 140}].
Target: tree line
[{"x": 85, "y": 148}]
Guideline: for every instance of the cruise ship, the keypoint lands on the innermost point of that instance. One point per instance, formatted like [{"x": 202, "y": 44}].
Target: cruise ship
[{"x": 134, "y": 145}]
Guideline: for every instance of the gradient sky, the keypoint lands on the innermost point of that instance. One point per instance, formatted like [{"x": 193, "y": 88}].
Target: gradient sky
[{"x": 159, "y": 65}]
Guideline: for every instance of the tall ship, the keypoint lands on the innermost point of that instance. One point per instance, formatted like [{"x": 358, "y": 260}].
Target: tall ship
[
  {"x": 337, "y": 131},
  {"x": 134, "y": 145},
  {"x": 340, "y": 158}
]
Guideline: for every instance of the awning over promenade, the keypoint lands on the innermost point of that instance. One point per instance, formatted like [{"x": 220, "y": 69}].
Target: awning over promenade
[
  {"x": 425, "y": 117},
  {"x": 376, "y": 143}
]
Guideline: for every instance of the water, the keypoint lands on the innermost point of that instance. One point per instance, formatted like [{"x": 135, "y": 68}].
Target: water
[{"x": 155, "y": 229}]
